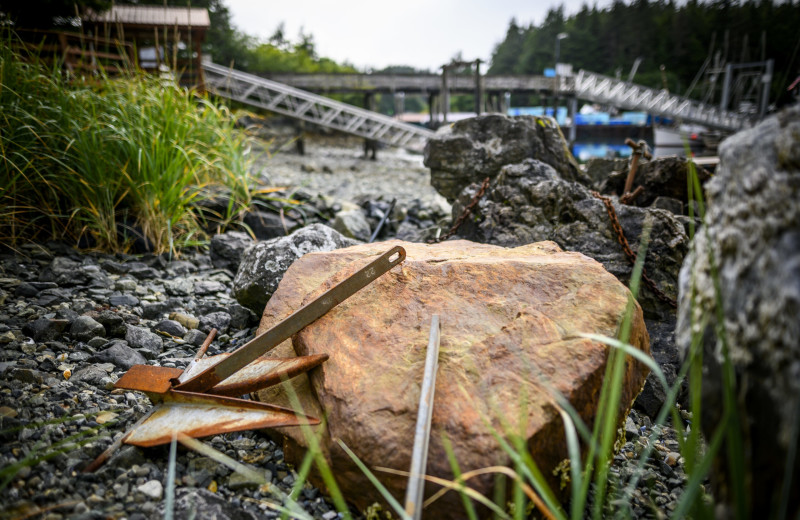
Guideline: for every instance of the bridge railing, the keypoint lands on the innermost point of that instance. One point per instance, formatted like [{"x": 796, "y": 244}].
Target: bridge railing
[
  {"x": 603, "y": 89},
  {"x": 299, "y": 104}
]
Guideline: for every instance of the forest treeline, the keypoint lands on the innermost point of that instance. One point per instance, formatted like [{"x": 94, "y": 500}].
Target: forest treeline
[{"x": 678, "y": 36}]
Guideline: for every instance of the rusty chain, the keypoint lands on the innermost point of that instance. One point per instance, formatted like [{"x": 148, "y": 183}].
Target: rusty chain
[
  {"x": 626, "y": 248},
  {"x": 464, "y": 214}
]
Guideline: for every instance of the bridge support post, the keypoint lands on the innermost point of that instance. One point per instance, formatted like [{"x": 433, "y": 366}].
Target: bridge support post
[
  {"x": 432, "y": 109},
  {"x": 370, "y": 145},
  {"x": 445, "y": 95},
  {"x": 766, "y": 82},
  {"x": 572, "y": 104},
  {"x": 726, "y": 87},
  {"x": 399, "y": 99},
  {"x": 478, "y": 88}
]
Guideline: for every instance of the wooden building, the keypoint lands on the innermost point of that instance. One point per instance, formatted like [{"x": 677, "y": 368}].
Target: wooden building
[{"x": 164, "y": 39}]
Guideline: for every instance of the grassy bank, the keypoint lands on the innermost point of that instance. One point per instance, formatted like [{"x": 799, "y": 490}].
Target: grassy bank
[{"x": 105, "y": 163}]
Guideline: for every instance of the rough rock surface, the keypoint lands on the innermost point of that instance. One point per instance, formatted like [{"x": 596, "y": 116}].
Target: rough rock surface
[
  {"x": 352, "y": 224},
  {"x": 752, "y": 228},
  {"x": 470, "y": 150},
  {"x": 599, "y": 168},
  {"x": 226, "y": 249},
  {"x": 511, "y": 320},
  {"x": 266, "y": 224},
  {"x": 263, "y": 264}
]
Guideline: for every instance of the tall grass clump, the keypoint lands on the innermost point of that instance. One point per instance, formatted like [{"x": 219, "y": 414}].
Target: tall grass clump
[{"x": 106, "y": 163}]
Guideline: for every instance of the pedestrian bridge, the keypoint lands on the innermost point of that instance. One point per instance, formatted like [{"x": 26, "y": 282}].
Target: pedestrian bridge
[
  {"x": 313, "y": 108},
  {"x": 288, "y": 100}
]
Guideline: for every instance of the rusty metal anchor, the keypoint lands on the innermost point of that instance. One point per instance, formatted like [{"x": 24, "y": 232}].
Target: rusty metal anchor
[{"x": 199, "y": 401}]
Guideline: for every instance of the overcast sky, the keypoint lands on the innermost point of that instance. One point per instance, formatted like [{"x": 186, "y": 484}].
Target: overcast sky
[{"x": 374, "y": 34}]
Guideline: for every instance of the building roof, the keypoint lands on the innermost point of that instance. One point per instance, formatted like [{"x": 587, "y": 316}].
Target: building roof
[{"x": 154, "y": 15}]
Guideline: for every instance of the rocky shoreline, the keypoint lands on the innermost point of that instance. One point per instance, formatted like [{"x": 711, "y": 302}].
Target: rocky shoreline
[{"x": 71, "y": 323}]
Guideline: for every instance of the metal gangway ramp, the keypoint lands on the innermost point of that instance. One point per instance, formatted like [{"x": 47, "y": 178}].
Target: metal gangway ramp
[
  {"x": 622, "y": 94},
  {"x": 299, "y": 104}
]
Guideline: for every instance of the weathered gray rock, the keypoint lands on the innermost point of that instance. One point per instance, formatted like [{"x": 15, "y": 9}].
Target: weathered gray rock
[
  {"x": 241, "y": 317},
  {"x": 215, "y": 320},
  {"x": 113, "y": 322},
  {"x": 171, "y": 327},
  {"x": 266, "y": 225},
  {"x": 752, "y": 228},
  {"x": 180, "y": 267},
  {"x": 668, "y": 203},
  {"x": 226, "y": 249},
  {"x": 120, "y": 355},
  {"x": 195, "y": 337},
  {"x": 148, "y": 343},
  {"x": 352, "y": 224},
  {"x": 179, "y": 287},
  {"x": 206, "y": 287},
  {"x": 202, "y": 504},
  {"x": 85, "y": 328},
  {"x": 263, "y": 264},
  {"x": 152, "y": 489},
  {"x": 97, "y": 375},
  {"x": 472, "y": 149},
  {"x": 598, "y": 169},
  {"x": 43, "y": 329},
  {"x": 64, "y": 272},
  {"x": 127, "y": 300},
  {"x": 50, "y": 297}
]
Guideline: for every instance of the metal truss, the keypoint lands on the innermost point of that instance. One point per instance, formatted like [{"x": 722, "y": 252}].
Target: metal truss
[
  {"x": 299, "y": 104},
  {"x": 602, "y": 89}
]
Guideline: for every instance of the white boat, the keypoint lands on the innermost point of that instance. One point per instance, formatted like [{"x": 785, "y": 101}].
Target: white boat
[{"x": 670, "y": 140}]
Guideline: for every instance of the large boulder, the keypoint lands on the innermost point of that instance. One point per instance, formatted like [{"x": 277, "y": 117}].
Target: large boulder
[
  {"x": 752, "y": 233},
  {"x": 470, "y": 150},
  {"x": 511, "y": 323},
  {"x": 530, "y": 202},
  {"x": 262, "y": 265}
]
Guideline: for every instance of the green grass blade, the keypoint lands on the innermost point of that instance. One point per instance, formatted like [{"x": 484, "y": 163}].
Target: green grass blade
[
  {"x": 319, "y": 457},
  {"x": 575, "y": 462},
  {"x": 393, "y": 503},
  {"x": 456, "y": 468}
]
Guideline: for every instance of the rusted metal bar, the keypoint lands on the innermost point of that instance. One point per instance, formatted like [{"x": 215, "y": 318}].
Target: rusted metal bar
[
  {"x": 294, "y": 323},
  {"x": 200, "y": 353},
  {"x": 382, "y": 221},
  {"x": 639, "y": 150},
  {"x": 206, "y": 344},
  {"x": 422, "y": 432}
]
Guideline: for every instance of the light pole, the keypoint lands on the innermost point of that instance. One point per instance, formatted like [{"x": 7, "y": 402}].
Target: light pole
[{"x": 559, "y": 37}]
